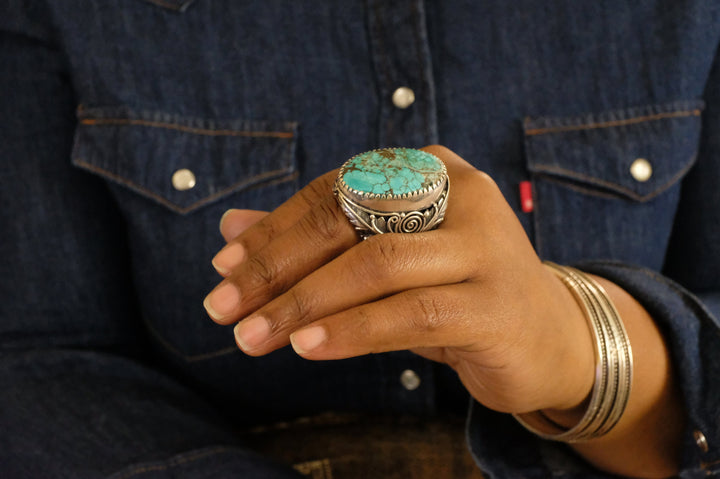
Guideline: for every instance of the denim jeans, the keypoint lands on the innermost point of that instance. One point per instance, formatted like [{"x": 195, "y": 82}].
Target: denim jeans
[{"x": 108, "y": 362}]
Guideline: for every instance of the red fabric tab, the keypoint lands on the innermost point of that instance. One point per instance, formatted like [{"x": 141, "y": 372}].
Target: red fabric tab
[{"x": 526, "y": 199}]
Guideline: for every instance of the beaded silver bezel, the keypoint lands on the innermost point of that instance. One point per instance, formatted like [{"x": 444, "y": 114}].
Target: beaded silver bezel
[{"x": 413, "y": 201}]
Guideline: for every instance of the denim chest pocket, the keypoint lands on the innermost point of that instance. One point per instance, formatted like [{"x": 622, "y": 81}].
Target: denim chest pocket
[
  {"x": 607, "y": 185},
  {"x": 180, "y": 162},
  {"x": 172, "y": 177}
]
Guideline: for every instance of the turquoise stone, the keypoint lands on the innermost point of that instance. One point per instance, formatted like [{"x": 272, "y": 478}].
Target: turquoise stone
[{"x": 396, "y": 171}]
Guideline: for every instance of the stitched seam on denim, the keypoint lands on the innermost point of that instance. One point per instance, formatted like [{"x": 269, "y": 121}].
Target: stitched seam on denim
[
  {"x": 182, "y": 210},
  {"x": 172, "y": 6},
  {"x": 609, "y": 124},
  {"x": 536, "y": 212},
  {"x": 378, "y": 29},
  {"x": 123, "y": 181},
  {"x": 615, "y": 186},
  {"x": 188, "y": 358},
  {"x": 185, "y": 129},
  {"x": 255, "y": 179},
  {"x": 166, "y": 4},
  {"x": 382, "y": 64},
  {"x": 174, "y": 462},
  {"x": 583, "y": 190},
  {"x": 421, "y": 61}
]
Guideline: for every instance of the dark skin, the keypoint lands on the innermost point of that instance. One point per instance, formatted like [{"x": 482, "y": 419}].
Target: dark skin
[{"x": 472, "y": 294}]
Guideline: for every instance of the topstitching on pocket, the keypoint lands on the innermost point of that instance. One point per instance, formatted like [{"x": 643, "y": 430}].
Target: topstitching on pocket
[{"x": 143, "y": 150}]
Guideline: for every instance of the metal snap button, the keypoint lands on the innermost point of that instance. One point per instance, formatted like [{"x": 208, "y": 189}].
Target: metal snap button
[
  {"x": 410, "y": 380},
  {"x": 701, "y": 441},
  {"x": 183, "y": 179},
  {"x": 641, "y": 170},
  {"x": 403, "y": 97}
]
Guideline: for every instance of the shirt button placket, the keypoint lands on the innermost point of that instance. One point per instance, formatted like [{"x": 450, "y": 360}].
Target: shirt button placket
[
  {"x": 407, "y": 117},
  {"x": 401, "y": 57}
]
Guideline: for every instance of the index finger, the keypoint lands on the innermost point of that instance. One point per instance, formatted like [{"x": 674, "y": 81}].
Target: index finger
[{"x": 287, "y": 214}]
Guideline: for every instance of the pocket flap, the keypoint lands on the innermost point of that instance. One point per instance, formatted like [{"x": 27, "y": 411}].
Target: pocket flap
[
  {"x": 143, "y": 151},
  {"x": 599, "y": 150}
]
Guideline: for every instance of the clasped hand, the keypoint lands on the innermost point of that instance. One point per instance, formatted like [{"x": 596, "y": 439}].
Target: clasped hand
[{"x": 472, "y": 294}]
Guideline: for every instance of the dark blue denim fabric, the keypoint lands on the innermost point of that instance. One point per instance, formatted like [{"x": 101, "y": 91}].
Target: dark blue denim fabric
[{"x": 109, "y": 363}]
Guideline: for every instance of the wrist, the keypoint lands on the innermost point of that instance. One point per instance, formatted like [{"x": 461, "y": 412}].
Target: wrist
[
  {"x": 613, "y": 360},
  {"x": 570, "y": 353}
]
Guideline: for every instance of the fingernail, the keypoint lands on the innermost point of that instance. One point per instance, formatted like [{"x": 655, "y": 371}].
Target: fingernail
[
  {"x": 252, "y": 332},
  {"x": 222, "y": 220},
  {"x": 307, "y": 339},
  {"x": 228, "y": 258},
  {"x": 223, "y": 301}
]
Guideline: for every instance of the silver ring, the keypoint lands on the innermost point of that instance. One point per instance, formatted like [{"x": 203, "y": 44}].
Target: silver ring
[{"x": 393, "y": 190}]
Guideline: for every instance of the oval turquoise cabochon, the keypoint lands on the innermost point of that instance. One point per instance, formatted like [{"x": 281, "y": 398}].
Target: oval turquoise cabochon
[{"x": 393, "y": 171}]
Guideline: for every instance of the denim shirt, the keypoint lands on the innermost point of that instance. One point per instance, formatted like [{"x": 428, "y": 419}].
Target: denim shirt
[{"x": 105, "y": 261}]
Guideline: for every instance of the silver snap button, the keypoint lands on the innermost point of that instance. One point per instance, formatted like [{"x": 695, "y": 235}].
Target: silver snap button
[
  {"x": 700, "y": 440},
  {"x": 410, "y": 380},
  {"x": 183, "y": 179},
  {"x": 403, "y": 97},
  {"x": 641, "y": 170}
]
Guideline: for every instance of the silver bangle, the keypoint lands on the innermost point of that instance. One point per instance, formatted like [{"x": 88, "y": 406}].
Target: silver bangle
[{"x": 613, "y": 364}]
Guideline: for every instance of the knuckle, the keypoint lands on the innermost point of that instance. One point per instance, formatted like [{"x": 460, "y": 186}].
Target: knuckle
[
  {"x": 315, "y": 191},
  {"x": 429, "y": 312},
  {"x": 485, "y": 180},
  {"x": 300, "y": 305},
  {"x": 267, "y": 231},
  {"x": 261, "y": 235},
  {"x": 438, "y": 150},
  {"x": 325, "y": 220},
  {"x": 384, "y": 258},
  {"x": 362, "y": 326},
  {"x": 260, "y": 267}
]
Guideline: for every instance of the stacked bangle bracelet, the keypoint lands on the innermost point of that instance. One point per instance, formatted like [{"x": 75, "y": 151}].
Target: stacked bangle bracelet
[{"x": 613, "y": 364}]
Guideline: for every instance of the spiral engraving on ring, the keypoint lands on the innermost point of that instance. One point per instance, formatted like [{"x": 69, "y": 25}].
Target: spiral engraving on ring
[
  {"x": 407, "y": 222},
  {"x": 368, "y": 221}
]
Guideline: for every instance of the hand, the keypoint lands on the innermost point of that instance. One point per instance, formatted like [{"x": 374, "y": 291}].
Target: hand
[{"x": 472, "y": 293}]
